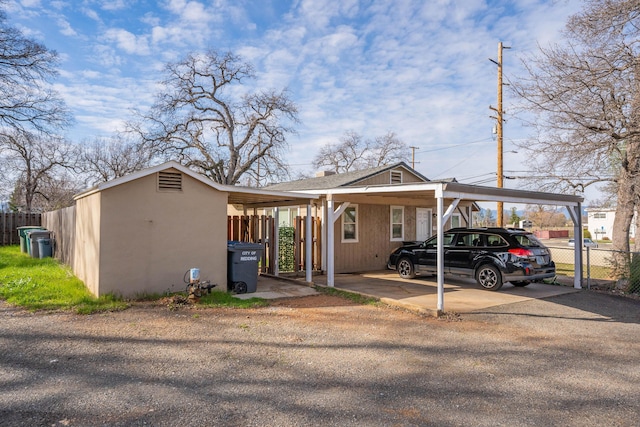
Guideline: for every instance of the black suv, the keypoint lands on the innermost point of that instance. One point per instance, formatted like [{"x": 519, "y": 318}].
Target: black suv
[{"x": 491, "y": 255}]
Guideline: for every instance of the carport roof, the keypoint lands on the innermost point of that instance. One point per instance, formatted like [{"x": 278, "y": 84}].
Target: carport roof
[
  {"x": 448, "y": 190},
  {"x": 245, "y": 196}
]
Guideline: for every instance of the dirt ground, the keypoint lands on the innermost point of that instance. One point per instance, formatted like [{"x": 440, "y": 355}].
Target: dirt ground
[{"x": 571, "y": 360}]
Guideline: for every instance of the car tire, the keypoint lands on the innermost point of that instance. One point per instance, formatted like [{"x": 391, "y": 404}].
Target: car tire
[
  {"x": 489, "y": 277},
  {"x": 520, "y": 284},
  {"x": 405, "y": 268}
]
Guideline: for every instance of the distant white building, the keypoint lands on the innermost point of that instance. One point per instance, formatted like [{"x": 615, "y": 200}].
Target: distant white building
[{"x": 600, "y": 223}]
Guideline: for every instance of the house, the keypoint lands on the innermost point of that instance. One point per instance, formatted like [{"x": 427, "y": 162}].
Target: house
[
  {"x": 371, "y": 226},
  {"x": 600, "y": 223},
  {"x": 142, "y": 233}
]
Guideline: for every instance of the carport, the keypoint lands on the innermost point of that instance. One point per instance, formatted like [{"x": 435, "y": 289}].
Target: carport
[{"x": 448, "y": 195}]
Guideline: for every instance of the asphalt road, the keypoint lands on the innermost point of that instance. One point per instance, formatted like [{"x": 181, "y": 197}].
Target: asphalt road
[{"x": 570, "y": 360}]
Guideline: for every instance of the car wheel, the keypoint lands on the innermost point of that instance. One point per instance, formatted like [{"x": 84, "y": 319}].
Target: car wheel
[
  {"x": 520, "y": 284},
  {"x": 489, "y": 277},
  {"x": 405, "y": 269}
]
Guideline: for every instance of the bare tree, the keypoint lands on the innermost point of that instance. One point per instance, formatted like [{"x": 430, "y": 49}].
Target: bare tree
[
  {"x": 33, "y": 163},
  {"x": 105, "y": 159},
  {"x": 356, "y": 153},
  {"x": 26, "y": 100},
  {"x": 585, "y": 94},
  {"x": 204, "y": 120}
]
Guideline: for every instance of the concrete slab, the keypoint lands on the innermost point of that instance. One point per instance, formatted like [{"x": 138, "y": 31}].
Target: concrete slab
[
  {"x": 272, "y": 288},
  {"x": 420, "y": 294},
  {"x": 461, "y": 295}
]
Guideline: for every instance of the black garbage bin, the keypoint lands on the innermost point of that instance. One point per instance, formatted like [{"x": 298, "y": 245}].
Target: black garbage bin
[{"x": 242, "y": 266}]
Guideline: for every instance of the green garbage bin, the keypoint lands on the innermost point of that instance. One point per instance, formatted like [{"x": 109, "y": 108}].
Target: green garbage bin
[
  {"x": 22, "y": 233},
  {"x": 45, "y": 248},
  {"x": 32, "y": 241},
  {"x": 242, "y": 266}
]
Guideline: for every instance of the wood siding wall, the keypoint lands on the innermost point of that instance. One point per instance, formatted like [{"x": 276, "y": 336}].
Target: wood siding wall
[
  {"x": 385, "y": 178},
  {"x": 374, "y": 244},
  {"x": 9, "y": 223}
]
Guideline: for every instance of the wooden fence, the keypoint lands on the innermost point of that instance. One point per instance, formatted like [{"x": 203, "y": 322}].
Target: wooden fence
[
  {"x": 9, "y": 223},
  {"x": 62, "y": 224},
  {"x": 261, "y": 229}
]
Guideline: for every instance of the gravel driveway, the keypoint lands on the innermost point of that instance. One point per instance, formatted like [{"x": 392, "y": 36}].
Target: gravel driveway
[{"x": 571, "y": 360}]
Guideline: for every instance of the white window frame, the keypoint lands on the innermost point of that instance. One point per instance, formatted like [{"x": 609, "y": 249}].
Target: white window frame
[
  {"x": 343, "y": 240},
  {"x": 391, "y": 224},
  {"x": 455, "y": 215}
]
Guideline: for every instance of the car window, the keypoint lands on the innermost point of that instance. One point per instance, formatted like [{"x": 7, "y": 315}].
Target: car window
[
  {"x": 495, "y": 240},
  {"x": 528, "y": 240},
  {"x": 448, "y": 240},
  {"x": 469, "y": 239}
]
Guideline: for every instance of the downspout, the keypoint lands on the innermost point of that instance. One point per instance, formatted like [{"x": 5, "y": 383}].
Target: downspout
[
  {"x": 276, "y": 241},
  {"x": 308, "y": 245}
]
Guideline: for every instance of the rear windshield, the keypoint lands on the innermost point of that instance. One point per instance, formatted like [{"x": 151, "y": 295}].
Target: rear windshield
[{"x": 528, "y": 240}]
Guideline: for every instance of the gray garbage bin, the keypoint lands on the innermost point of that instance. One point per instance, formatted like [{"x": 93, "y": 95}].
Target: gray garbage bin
[
  {"x": 22, "y": 233},
  {"x": 45, "y": 248},
  {"x": 32, "y": 241},
  {"x": 242, "y": 266}
]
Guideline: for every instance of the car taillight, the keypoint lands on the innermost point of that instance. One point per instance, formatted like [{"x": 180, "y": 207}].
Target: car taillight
[{"x": 521, "y": 252}]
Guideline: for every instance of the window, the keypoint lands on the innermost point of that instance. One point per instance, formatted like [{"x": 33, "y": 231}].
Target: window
[
  {"x": 455, "y": 220},
  {"x": 447, "y": 241},
  {"x": 600, "y": 215},
  {"x": 472, "y": 239},
  {"x": 495, "y": 240},
  {"x": 397, "y": 223},
  {"x": 396, "y": 177},
  {"x": 350, "y": 224}
]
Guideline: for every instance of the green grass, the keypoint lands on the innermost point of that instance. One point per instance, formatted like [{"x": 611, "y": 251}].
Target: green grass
[
  {"x": 357, "y": 298},
  {"x": 45, "y": 284},
  {"x": 596, "y": 272}
]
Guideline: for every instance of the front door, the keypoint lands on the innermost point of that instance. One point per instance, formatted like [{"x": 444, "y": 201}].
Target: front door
[{"x": 423, "y": 224}]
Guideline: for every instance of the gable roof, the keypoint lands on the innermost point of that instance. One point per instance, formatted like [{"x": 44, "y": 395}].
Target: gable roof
[
  {"x": 341, "y": 179},
  {"x": 237, "y": 194}
]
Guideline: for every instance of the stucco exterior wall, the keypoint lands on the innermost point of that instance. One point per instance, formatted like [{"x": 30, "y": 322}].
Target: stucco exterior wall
[
  {"x": 86, "y": 247},
  {"x": 150, "y": 238}
]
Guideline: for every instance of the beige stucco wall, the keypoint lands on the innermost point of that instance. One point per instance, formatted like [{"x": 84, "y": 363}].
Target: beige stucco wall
[
  {"x": 86, "y": 248},
  {"x": 150, "y": 238}
]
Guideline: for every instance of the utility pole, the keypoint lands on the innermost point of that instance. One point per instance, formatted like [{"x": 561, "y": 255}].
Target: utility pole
[
  {"x": 499, "y": 118},
  {"x": 413, "y": 157}
]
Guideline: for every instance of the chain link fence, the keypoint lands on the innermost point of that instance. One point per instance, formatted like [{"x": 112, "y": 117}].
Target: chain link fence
[{"x": 600, "y": 265}]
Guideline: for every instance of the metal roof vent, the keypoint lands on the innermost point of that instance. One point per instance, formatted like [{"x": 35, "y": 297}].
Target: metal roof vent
[
  {"x": 396, "y": 177},
  {"x": 169, "y": 181}
]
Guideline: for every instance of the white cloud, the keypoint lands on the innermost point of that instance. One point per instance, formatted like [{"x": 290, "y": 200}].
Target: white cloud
[
  {"x": 65, "y": 28},
  {"x": 127, "y": 41}
]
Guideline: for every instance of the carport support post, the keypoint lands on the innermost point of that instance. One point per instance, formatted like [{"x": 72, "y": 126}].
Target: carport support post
[
  {"x": 575, "y": 212},
  {"x": 307, "y": 246},
  {"x": 330, "y": 221},
  {"x": 440, "y": 249},
  {"x": 276, "y": 241},
  {"x": 332, "y": 216}
]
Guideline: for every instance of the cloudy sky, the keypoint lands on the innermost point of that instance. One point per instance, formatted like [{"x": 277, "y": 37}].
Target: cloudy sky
[{"x": 419, "y": 68}]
